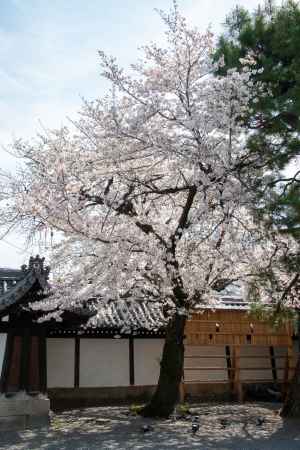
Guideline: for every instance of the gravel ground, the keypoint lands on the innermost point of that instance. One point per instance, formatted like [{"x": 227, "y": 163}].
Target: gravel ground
[{"x": 251, "y": 426}]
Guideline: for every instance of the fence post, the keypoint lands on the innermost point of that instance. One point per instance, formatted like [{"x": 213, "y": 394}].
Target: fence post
[
  {"x": 238, "y": 388},
  {"x": 289, "y": 356},
  {"x": 181, "y": 391}
]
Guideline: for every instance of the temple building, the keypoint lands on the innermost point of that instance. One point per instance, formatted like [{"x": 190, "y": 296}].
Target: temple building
[{"x": 65, "y": 364}]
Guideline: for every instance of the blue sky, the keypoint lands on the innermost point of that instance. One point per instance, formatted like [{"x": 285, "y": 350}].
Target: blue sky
[{"x": 48, "y": 61}]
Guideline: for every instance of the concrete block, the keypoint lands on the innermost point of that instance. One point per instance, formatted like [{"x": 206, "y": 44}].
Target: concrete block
[{"x": 23, "y": 411}]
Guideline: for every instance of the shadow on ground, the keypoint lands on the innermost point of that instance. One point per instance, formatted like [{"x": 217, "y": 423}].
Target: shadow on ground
[{"x": 252, "y": 426}]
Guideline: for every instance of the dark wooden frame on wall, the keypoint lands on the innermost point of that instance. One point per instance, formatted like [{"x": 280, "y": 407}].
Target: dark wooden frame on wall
[
  {"x": 77, "y": 362},
  {"x": 102, "y": 334},
  {"x": 131, "y": 361},
  {"x": 78, "y": 337},
  {"x": 27, "y": 330}
]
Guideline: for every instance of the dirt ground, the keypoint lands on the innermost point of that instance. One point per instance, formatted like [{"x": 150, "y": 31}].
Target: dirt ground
[{"x": 252, "y": 426}]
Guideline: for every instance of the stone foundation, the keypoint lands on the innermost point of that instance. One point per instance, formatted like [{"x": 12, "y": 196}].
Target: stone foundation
[
  {"x": 20, "y": 411},
  {"x": 68, "y": 398}
]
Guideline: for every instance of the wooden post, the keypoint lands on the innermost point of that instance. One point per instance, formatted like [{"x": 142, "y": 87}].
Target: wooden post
[
  {"x": 43, "y": 361},
  {"x": 77, "y": 362},
  {"x": 273, "y": 363},
  {"x": 24, "y": 360},
  {"x": 228, "y": 363},
  {"x": 24, "y": 364},
  {"x": 131, "y": 361},
  {"x": 181, "y": 392},
  {"x": 14, "y": 378},
  {"x": 289, "y": 356},
  {"x": 238, "y": 388}
]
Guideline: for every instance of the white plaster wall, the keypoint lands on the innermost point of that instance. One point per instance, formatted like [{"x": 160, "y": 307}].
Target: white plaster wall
[
  {"x": 196, "y": 356},
  {"x": 2, "y": 348},
  {"x": 104, "y": 362},
  {"x": 147, "y": 357},
  {"x": 60, "y": 362}
]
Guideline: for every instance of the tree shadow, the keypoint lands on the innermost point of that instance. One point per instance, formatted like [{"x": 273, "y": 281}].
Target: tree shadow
[{"x": 221, "y": 427}]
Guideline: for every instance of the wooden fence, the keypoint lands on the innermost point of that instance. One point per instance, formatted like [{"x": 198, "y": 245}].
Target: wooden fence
[{"x": 231, "y": 347}]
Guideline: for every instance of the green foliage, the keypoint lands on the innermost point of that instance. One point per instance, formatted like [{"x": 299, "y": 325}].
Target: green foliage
[
  {"x": 283, "y": 209},
  {"x": 183, "y": 409},
  {"x": 135, "y": 410},
  {"x": 276, "y": 317},
  {"x": 272, "y": 35}
]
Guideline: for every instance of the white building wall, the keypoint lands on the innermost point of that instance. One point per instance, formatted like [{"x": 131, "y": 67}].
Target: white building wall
[
  {"x": 60, "y": 362},
  {"x": 147, "y": 357},
  {"x": 104, "y": 362},
  {"x": 2, "y": 348}
]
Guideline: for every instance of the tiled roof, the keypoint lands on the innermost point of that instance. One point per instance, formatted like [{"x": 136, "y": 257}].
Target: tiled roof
[
  {"x": 14, "y": 284},
  {"x": 146, "y": 315},
  {"x": 10, "y": 274},
  {"x": 129, "y": 315}
]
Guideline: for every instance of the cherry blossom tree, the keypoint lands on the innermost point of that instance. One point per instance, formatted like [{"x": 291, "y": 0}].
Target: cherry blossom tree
[{"x": 148, "y": 193}]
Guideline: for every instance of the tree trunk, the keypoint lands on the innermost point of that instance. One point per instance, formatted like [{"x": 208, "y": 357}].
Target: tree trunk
[{"x": 171, "y": 370}]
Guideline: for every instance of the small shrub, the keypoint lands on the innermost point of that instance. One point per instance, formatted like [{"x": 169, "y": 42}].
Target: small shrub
[
  {"x": 136, "y": 409},
  {"x": 183, "y": 409}
]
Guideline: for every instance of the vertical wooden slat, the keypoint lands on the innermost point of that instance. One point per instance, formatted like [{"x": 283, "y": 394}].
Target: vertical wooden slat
[{"x": 273, "y": 363}]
